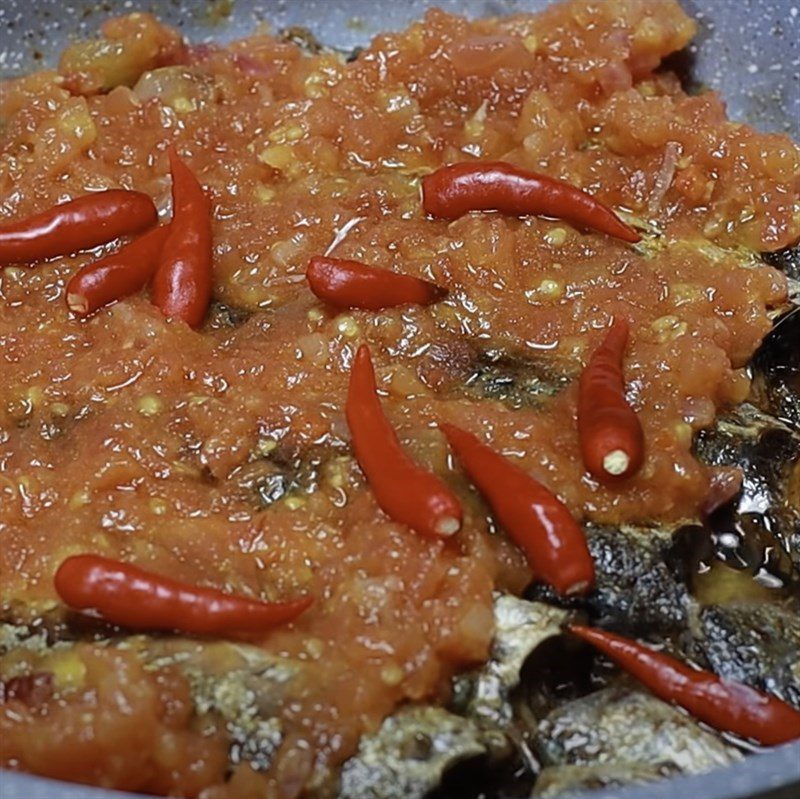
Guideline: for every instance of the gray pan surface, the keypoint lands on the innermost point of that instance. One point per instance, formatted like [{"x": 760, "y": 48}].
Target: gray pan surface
[{"x": 749, "y": 50}]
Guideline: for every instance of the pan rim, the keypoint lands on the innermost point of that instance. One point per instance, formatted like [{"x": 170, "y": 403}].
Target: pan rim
[{"x": 772, "y": 774}]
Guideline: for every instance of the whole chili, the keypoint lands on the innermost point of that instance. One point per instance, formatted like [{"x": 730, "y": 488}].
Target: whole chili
[
  {"x": 130, "y": 597},
  {"x": 535, "y": 519},
  {"x": 454, "y": 190},
  {"x": 350, "y": 284},
  {"x": 722, "y": 704},
  {"x": 183, "y": 281},
  {"x": 611, "y": 437},
  {"x": 78, "y": 224},
  {"x": 406, "y": 492},
  {"x": 117, "y": 275}
]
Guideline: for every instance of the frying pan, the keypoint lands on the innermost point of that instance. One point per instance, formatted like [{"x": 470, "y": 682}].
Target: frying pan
[{"x": 749, "y": 50}]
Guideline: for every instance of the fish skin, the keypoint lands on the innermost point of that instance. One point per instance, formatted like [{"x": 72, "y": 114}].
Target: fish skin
[
  {"x": 564, "y": 781},
  {"x": 514, "y": 381},
  {"x": 520, "y": 627},
  {"x": 241, "y": 684},
  {"x": 456, "y": 368},
  {"x": 639, "y": 587},
  {"x": 626, "y": 726},
  {"x": 285, "y": 471},
  {"x": 222, "y": 316},
  {"x": 480, "y": 722},
  {"x": 756, "y": 643},
  {"x": 787, "y": 260},
  {"x": 407, "y": 757}
]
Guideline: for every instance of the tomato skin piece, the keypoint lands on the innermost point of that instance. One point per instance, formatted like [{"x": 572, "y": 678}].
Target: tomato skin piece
[
  {"x": 130, "y": 597},
  {"x": 78, "y": 224},
  {"x": 455, "y": 190}
]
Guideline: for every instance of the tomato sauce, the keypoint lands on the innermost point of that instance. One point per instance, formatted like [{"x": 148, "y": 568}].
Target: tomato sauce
[{"x": 221, "y": 456}]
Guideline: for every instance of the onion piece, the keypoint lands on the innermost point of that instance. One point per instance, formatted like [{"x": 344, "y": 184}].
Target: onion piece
[{"x": 664, "y": 177}]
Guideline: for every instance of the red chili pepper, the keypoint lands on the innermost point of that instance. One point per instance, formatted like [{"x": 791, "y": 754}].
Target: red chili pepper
[
  {"x": 118, "y": 275},
  {"x": 79, "y": 224},
  {"x": 406, "y": 492},
  {"x": 350, "y": 284},
  {"x": 611, "y": 437},
  {"x": 535, "y": 519},
  {"x": 130, "y": 597},
  {"x": 722, "y": 704},
  {"x": 455, "y": 190},
  {"x": 183, "y": 281}
]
